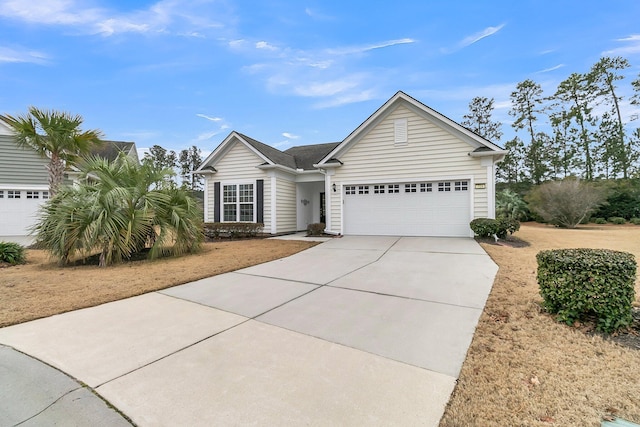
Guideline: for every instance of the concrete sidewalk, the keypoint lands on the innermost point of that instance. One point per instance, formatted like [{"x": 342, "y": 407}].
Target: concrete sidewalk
[{"x": 357, "y": 330}]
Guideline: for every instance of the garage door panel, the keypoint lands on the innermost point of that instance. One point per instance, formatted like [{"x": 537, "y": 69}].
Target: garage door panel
[{"x": 434, "y": 213}]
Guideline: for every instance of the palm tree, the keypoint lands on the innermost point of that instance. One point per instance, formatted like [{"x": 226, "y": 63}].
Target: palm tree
[
  {"x": 53, "y": 134},
  {"x": 117, "y": 210}
]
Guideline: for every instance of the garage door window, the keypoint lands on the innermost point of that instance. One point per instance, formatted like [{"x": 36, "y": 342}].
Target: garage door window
[
  {"x": 378, "y": 189},
  {"x": 461, "y": 186},
  {"x": 410, "y": 188},
  {"x": 393, "y": 188},
  {"x": 363, "y": 189},
  {"x": 426, "y": 187},
  {"x": 13, "y": 194},
  {"x": 350, "y": 189},
  {"x": 1, "y": 194},
  {"x": 444, "y": 186},
  {"x": 33, "y": 194}
]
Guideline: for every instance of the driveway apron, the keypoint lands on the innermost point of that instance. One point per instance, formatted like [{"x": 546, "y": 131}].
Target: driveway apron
[{"x": 355, "y": 331}]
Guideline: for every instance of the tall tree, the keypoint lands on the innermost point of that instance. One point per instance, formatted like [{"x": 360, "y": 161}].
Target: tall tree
[
  {"x": 160, "y": 158},
  {"x": 563, "y": 158},
  {"x": 479, "y": 120},
  {"x": 54, "y": 135},
  {"x": 510, "y": 169},
  {"x": 190, "y": 160},
  {"x": 603, "y": 76},
  {"x": 526, "y": 103},
  {"x": 578, "y": 95}
]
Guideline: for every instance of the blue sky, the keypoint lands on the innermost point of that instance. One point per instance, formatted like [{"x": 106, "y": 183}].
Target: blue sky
[{"x": 186, "y": 72}]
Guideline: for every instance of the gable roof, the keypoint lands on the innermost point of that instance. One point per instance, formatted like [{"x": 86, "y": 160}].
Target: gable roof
[
  {"x": 110, "y": 150},
  {"x": 295, "y": 158},
  {"x": 477, "y": 143}
]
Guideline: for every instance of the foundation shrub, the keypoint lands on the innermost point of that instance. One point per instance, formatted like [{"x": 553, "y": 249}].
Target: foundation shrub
[
  {"x": 216, "y": 230},
  {"x": 579, "y": 283},
  {"x": 12, "y": 253},
  {"x": 316, "y": 229},
  {"x": 487, "y": 227},
  {"x": 599, "y": 220}
]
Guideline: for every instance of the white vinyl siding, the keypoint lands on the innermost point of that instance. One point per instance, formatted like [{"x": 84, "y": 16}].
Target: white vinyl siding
[
  {"x": 286, "y": 205},
  {"x": 430, "y": 154},
  {"x": 238, "y": 166}
]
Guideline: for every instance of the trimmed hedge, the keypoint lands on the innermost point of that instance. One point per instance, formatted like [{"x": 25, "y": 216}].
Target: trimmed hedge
[
  {"x": 576, "y": 283},
  {"x": 215, "y": 230},
  {"x": 617, "y": 220},
  {"x": 600, "y": 221},
  {"x": 11, "y": 252},
  {"x": 487, "y": 227},
  {"x": 316, "y": 229},
  {"x": 635, "y": 221}
]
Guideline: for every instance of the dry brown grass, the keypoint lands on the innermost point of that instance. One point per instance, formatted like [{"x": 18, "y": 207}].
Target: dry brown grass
[
  {"x": 523, "y": 368},
  {"x": 40, "y": 288}
]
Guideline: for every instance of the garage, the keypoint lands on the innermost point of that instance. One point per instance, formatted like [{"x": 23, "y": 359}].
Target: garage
[
  {"x": 437, "y": 208},
  {"x": 19, "y": 210}
]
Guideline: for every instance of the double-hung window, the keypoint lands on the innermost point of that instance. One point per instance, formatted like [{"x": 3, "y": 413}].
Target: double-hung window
[{"x": 238, "y": 203}]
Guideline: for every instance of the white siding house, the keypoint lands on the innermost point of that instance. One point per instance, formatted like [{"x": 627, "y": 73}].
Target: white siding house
[{"x": 407, "y": 170}]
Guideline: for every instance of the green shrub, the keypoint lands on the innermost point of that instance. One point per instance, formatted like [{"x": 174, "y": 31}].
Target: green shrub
[
  {"x": 13, "y": 253},
  {"x": 617, "y": 220},
  {"x": 623, "y": 198},
  {"x": 577, "y": 283},
  {"x": 487, "y": 227},
  {"x": 510, "y": 205},
  {"x": 215, "y": 230},
  {"x": 316, "y": 229},
  {"x": 600, "y": 221},
  {"x": 635, "y": 221}
]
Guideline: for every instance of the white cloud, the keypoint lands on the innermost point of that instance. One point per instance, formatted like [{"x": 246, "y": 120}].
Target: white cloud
[
  {"x": 361, "y": 49},
  {"x": 328, "y": 88},
  {"x": 290, "y": 135},
  {"x": 265, "y": 45},
  {"x": 348, "y": 98},
  {"x": 632, "y": 46},
  {"x": 213, "y": 119},
  {"x": 489, "y": 31},
  {"x": 22, "y": 55},
  {"x": 180, "y": 17},
  {"x": 546, "y": 70},
  {"x": 312, "y": 13}
]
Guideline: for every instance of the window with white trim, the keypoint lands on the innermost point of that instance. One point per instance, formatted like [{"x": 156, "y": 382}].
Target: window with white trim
[
  {"x": 33, "y": 194},
  {"x": 238, "y": 203},
  {"x": 393, "y": 188},
  {"x": 426, "y": 187},
  {"x": 410, "y": 188},
  {"x": 461, "y": 186},
  {"x": 350, "y": 189},
  {"x": 378, "y": 189},
  {"x": 13, "y": 194},
  {"x": 444, "y": 186},
  {"x": 363, "y": 189}
]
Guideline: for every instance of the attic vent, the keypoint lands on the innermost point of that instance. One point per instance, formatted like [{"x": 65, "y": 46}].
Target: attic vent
[{"x": 400, "y": 131}]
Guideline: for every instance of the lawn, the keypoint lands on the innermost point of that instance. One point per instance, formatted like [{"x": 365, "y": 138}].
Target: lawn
[
  {"x": 523, "y": 368},
  {"x": 40, "y": 288}
]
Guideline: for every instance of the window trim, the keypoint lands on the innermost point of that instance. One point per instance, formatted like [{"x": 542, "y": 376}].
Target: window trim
[{"x": 237, "y": 203}]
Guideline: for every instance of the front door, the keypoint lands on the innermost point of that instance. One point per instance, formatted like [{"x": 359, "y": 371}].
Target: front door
[{"x": 323, "y": 215}]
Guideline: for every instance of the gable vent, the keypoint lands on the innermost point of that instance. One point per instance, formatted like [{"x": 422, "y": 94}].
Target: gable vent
[{"x": 400, "y": 131}]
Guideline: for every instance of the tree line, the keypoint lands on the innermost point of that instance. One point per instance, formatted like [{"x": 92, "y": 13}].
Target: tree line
[
  {"x": 185, "y": 162},
  {"x": 577, "y": 131}
]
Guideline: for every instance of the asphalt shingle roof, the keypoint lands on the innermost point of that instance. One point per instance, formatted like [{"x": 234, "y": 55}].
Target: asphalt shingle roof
[{"x": 300, "y": 157}]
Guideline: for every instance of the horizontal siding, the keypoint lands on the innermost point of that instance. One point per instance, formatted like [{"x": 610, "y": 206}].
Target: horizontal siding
[
  {"x": 20, "y": 166},
  {"x": 431, "y": 153},
  {"x": 239, "y": 164},
  {"x": 286, "y": 214}
]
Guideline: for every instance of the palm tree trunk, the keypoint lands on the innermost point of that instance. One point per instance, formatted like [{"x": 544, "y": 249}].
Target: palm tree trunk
[{"x": 56, "y": 173}]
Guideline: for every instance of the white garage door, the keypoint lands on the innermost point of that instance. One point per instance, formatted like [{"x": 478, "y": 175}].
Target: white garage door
[
  {"x": 19, "y": 209},
  {"x": 409, "y": 209}
]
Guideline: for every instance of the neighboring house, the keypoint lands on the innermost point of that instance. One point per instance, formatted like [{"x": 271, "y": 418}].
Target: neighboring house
[
  {"x": 24, "y": 182},
  {"x": 407, "y": 170}
]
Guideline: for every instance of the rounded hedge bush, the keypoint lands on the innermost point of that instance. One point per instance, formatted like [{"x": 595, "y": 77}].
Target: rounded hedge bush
[
  {"x": 577, "y": 283},
  {"x": 488, "y": 227},
  {"x": 617, "y": 220}
]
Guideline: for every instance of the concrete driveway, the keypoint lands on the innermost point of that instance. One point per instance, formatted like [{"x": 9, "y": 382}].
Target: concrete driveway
[{"x": 355, "y": 331}]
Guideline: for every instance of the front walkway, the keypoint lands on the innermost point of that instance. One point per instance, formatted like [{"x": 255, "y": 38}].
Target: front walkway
[{"x": 354, "y": 331}]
